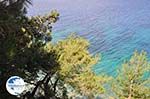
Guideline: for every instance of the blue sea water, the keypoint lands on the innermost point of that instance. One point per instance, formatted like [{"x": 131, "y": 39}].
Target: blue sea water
[{"x": 115, "y": 28}]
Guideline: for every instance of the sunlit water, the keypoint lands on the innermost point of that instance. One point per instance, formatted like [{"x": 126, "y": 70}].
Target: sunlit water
[{"x": 115, "y": 28}]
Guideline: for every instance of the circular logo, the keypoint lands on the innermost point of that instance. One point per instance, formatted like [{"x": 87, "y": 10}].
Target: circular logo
[{"x": 15, "y": 85}]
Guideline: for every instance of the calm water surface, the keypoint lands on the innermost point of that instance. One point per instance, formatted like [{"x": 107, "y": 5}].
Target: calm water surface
[{"x": 115, "y": 28}]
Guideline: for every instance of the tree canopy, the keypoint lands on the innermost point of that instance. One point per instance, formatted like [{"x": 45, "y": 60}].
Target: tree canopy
[
  {"x": 50, "y": 69},
  {"x": 133, "y": 79}
]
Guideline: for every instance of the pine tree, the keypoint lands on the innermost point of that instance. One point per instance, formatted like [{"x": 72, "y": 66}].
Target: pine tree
[
  {"x": 133, "y": 80},
  {"x": 76, "y": 66}
]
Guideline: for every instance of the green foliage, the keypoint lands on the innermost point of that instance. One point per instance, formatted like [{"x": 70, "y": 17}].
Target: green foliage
[
  {"x": 76, "y": 66},
  {"x": 73, "y": 52},
  {"x": 42, "y": 26},
  {"x": 132, "y": 81},
  {"x": 22, "y": 42}
]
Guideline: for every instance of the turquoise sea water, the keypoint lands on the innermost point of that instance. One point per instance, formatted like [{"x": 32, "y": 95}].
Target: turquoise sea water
[{"x": 115, "y": 28}]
